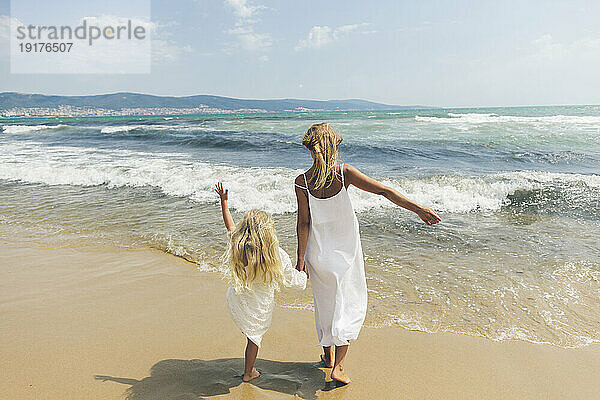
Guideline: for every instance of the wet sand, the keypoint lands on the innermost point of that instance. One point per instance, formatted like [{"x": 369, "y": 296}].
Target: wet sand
[{"x": 101, "y": 323}]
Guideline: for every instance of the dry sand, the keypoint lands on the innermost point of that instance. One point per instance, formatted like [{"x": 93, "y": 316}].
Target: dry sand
[{"x": 101, "y": 323}]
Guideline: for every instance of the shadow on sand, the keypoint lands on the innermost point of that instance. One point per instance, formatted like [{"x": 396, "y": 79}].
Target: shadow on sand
[{"x": 194, "y": 379}]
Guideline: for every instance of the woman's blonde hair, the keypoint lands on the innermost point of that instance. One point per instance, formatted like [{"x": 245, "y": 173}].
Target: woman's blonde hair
[
  {"x": 253, "y": 252},
  {"x": 323, "y": 141}
]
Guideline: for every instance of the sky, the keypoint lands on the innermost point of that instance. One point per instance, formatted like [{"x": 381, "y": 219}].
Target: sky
[{"x": 439, "y": 53}]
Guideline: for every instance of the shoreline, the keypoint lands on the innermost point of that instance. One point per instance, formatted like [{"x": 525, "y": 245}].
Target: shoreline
[{"x": 91, "y": 322}]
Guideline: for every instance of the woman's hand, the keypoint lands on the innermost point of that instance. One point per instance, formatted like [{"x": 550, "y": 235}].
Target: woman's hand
[
  {"x": 223, "y": 193},
  {"x": 301, "y": 266},
  {"x": 428, "y": 216}
]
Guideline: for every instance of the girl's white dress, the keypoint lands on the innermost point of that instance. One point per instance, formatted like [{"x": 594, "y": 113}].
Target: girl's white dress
[
  {"x": 335, "y": 263},
  {"x": 251, "y": 310}
]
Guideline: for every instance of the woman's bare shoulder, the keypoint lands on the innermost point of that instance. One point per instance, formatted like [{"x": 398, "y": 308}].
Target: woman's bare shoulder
[
  {"x": 349, "y": 167},
  {"x": 349, "y": 170},
  {"x": 300, "y": 180}
]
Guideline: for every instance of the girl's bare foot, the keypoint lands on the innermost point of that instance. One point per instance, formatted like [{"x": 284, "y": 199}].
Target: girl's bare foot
[
  {"x": 338, "y": 374},
  {"x": 251, "y": 375}
]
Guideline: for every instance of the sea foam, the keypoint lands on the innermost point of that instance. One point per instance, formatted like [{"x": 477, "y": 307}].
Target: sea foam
[
  {"x": 29, "y": 128},
  {"x": 252, "y": 187},
  {"x": 483, "y": 118},
  {"x": 127, "y": 128}
]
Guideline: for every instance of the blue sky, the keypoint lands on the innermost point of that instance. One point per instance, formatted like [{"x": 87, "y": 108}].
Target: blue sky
[{"x": 444, "y": 53}]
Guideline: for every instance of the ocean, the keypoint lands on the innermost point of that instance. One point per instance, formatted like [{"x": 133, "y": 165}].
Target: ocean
[{"x": 516, "y": 256}]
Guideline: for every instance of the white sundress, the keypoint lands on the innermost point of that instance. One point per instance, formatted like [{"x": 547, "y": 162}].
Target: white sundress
[
  {"x": 252, "y": 310},
  {"x": 335, "y": 262}
]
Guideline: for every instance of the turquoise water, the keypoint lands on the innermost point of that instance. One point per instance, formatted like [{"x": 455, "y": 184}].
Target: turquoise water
[{"x": 516, "y": 256}]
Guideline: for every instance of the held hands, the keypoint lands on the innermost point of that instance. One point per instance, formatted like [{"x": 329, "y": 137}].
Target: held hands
[
  {"x": 428, "y": 216},
  {"x": 301, "y": 266},
  {"x": 223, "y": 193}
]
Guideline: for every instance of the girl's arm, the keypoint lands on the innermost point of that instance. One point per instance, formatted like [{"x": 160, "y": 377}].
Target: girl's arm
[
  {"x": 302, "y": 225},
  {"x": 362, "y": 181},
  {"x": 224, "y": 195}
]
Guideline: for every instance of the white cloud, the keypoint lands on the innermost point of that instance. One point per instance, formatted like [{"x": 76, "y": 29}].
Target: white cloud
[
  {"x": 345, "y": 29},
  {"x": 547, "y": 48},
  {"x": 243, "y": 9},
  {"x": 165, "y": 49},
  {"x": 247, "y": 38},
  {"x": 320, "y": 36},
  {"x": 587, "y": 44},
  {"x": 251, "y": 40}
]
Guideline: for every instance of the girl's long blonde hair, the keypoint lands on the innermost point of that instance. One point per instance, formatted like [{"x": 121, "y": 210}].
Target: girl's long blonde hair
[
  {"x": 323, "y": 141},
  {"x": 253, "y": 252}
]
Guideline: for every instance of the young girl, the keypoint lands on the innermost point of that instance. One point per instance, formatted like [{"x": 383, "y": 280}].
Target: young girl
[
  {"x": 329, "y": 245},
  {"x": 256, "y": 266}
]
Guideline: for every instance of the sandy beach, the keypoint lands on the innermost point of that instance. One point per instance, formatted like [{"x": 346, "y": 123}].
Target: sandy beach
[
  {"x": 103, "y": 323},
  {"x": 433, "y": 165}
]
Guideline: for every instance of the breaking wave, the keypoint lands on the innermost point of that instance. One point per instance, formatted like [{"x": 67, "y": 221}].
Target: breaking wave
[{"x": 272, "y": 188}]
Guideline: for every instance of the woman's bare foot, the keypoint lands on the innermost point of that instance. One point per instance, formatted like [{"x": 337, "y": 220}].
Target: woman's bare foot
[
  {"x": 251, "y": 375},
  {"x": 327, "y": 360},
  {"x": 338, "y": 374}
]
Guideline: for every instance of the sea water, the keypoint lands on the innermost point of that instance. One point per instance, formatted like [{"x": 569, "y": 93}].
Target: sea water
[{"x": 516, "y": 256}]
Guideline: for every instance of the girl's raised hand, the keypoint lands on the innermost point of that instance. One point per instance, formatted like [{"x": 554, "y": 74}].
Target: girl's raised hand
[{"x": 223, "y": 193}]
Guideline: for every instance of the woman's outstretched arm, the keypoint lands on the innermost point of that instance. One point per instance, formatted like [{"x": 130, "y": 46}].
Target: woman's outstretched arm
[
  {"x": 224, "y": 195},
  {"x": 354, "y": 177},
  {"x": 302, "y": 225}
]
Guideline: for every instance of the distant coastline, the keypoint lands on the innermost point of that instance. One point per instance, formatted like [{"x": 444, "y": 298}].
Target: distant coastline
[
  {"x": 22, "y": 105},
  {"x": 71, "y": 111}
]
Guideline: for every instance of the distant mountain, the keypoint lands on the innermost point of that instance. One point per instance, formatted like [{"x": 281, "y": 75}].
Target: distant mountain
[{"x": 117, "y": 101}]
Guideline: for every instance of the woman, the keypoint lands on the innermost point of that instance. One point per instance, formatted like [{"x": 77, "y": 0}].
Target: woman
[{"x": 329, "y": 248}]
